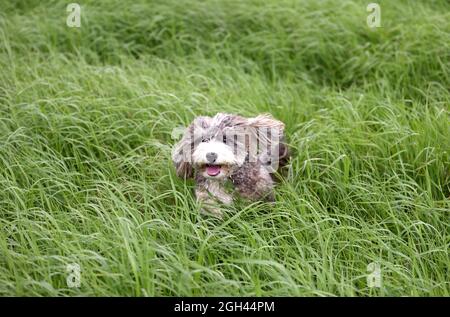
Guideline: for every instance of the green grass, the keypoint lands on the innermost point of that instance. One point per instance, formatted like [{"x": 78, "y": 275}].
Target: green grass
[{"x": 86, "y": 117}]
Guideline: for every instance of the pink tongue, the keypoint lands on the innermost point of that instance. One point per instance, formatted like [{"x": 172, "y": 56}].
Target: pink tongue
[{"x": 213, "y": 170}]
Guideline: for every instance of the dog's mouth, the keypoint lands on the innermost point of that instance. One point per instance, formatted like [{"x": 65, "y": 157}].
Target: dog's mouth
[{"x": 213, "y": 170}]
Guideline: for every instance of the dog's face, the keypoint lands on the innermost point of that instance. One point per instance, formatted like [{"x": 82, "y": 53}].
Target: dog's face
[
  {"x": 217, "y": 146},
  {"x": 215, "y": 156}
]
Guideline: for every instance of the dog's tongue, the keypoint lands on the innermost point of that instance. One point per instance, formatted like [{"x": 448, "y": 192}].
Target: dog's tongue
[{"x": 213, "y": 170}]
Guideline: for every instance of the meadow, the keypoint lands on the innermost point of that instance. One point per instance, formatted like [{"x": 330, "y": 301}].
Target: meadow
[{"x": 86, "y": 130}]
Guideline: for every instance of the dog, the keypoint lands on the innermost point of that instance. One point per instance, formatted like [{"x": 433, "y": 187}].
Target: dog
[{"x": 229, "y": 148}]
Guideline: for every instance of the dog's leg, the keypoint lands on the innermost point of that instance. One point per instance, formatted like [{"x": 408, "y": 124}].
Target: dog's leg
[
  {"x": 208, "y": 205},
  {"x": 209, "y": 193}
]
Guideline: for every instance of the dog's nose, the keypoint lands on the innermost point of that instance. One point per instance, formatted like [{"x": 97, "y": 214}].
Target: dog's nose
[{"x": 211, "y": 157}]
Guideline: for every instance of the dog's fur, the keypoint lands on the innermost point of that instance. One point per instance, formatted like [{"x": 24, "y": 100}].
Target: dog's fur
[{"x": 210, "y": 153}]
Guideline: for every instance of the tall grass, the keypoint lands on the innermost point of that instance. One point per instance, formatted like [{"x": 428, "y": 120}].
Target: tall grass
[{"x": 86, "y": 117}]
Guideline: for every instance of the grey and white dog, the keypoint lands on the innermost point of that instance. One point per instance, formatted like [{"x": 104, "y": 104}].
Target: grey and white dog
[{"x": 231, "y": 149}]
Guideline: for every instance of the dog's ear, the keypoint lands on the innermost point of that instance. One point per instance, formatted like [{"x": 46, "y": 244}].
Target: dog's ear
[
  {"x": 182, "y": 151},
  {"x": 181, "y": 154}
]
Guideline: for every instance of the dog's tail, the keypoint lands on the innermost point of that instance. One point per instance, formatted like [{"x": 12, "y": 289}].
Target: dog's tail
[
  {"x": 284, "y": 153},
  {"x": 284, "y": 156}
]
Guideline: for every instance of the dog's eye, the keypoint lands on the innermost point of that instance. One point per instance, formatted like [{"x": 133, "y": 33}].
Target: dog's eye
[
  {"x": 224, "y": 139},
  {"x": 205, "y": 140}
]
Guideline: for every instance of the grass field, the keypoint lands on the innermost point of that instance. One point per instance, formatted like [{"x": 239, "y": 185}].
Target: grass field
[{"x": 86, "y": 120}]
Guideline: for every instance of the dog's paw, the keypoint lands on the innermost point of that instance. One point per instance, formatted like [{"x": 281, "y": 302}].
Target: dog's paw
[{"x": 211, "y": 211}]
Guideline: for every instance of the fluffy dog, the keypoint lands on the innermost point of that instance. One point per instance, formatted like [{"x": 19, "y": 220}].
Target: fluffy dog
[{"x": 229, "y": 148}]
